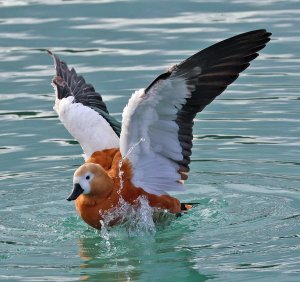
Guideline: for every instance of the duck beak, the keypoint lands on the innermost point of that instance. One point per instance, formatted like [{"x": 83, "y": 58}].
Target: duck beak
[{"x": 76, "y": 192}]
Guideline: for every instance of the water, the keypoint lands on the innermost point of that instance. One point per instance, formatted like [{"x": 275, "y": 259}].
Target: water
[{"x": 245, "y": 168}]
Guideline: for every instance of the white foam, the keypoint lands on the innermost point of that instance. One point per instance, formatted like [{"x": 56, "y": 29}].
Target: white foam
[{"x": 136, "y": 219}]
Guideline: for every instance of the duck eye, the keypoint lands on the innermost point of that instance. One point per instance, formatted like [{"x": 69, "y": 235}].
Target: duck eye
[{"x": 87, "y": 177}]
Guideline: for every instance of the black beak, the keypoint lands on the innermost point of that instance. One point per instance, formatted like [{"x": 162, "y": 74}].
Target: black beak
[{"x": 76, "y": 192}]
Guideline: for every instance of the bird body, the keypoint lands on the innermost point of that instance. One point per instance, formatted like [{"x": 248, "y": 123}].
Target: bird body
[
  {"x": 149, "y": 153},
  {"x": 111, "y": 181}
]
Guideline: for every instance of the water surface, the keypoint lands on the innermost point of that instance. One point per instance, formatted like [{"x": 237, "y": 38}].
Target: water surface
[{"x": 245, "y": 163}]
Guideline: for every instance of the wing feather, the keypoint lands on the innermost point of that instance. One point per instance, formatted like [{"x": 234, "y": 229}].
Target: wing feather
[
  {"x": 82, "y": 111},
  {"x": 157, "y": 129},
  {"x": 219, "y": 65},
  {"x": 68, "y": 83}
]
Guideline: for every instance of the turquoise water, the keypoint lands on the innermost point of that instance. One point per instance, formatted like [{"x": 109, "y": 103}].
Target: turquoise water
[{"x": 245, "y": 168}]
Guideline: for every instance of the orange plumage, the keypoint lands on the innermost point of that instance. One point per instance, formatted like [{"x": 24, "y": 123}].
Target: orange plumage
[{"x": 106, "y": 188}]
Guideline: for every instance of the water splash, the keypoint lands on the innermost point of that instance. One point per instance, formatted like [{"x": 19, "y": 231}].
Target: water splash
[
  {"x": 121, "y": 172},
  {"x": 133, "y": 147},
  {"x": 135, "y": 219},
  {"x": 105, "y": 234}
]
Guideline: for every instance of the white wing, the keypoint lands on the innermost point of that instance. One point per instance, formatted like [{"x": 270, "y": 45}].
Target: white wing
[
  {"x": 149, "y": 135},
  {"x": 90, "y": 129},
  {"x": 82, "y": 111},
  {"x": 157, "y": 125}
]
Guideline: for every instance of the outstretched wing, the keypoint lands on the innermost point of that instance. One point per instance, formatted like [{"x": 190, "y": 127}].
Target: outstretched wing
[
  {"x": 82, "y": 110},
  {"x": 157, "y": 129}
]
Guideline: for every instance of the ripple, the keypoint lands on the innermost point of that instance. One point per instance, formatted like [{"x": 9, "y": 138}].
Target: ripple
[
  {"x": 247, "y": 188},
  {"x": 10, "y": 149},
  {"x": 190, "y": 18},
  {"x": 23, "y": 115},
  {"x": 18, "y": 175},
  {"x": 9, "y": 3},
  {"x": 18, "y": 96},
  {"x": 52, "y": 158},
  {"x": 295, "y": 216},
  {"x": 27, "y": 20},
  {"x": 12, "y": 58},
  {"x": 107, "y": 51},
  {"x": 43, "y": 72},
  {"x": 262, "y": 2},
  {"x": 119, "y": 42},
  {"x": 62, "y": 142},
  {"x": 19, "y": 36},
  {"x": 251, "y": 140},
  {"x": 245, "y": 174}
]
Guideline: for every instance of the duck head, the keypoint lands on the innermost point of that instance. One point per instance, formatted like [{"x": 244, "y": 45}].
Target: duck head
[{"x": 91, "y": 180}]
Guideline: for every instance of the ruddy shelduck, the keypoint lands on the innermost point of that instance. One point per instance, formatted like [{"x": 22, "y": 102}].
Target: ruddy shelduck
[{"x": 148, "y": 154}]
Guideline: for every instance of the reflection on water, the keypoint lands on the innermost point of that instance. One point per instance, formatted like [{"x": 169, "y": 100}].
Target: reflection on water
[
  {"x": 121, "y": 258},
  {"x": 245, "y": 163}
]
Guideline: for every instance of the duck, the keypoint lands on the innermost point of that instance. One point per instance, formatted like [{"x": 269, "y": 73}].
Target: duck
[{"x": 148, "y": 154}]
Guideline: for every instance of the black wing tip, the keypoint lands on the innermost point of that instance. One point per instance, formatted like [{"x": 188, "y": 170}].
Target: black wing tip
[
  {"x": 268, "y": 34},
  {"x": 69, "y": 83},
  {"x": 55, "y": 58},
  {"x": 261, "y": 36},
  {"x": 261, "y": 32},
  {"x": 49, "y": 52},
  {"x": 254, "y": 41},
  {"x": 58, "y": 64}
]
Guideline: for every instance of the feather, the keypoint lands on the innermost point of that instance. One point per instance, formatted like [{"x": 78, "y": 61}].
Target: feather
[
  {"x": 67, "y": 83},
  {"x": 162, "y": 114}
]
